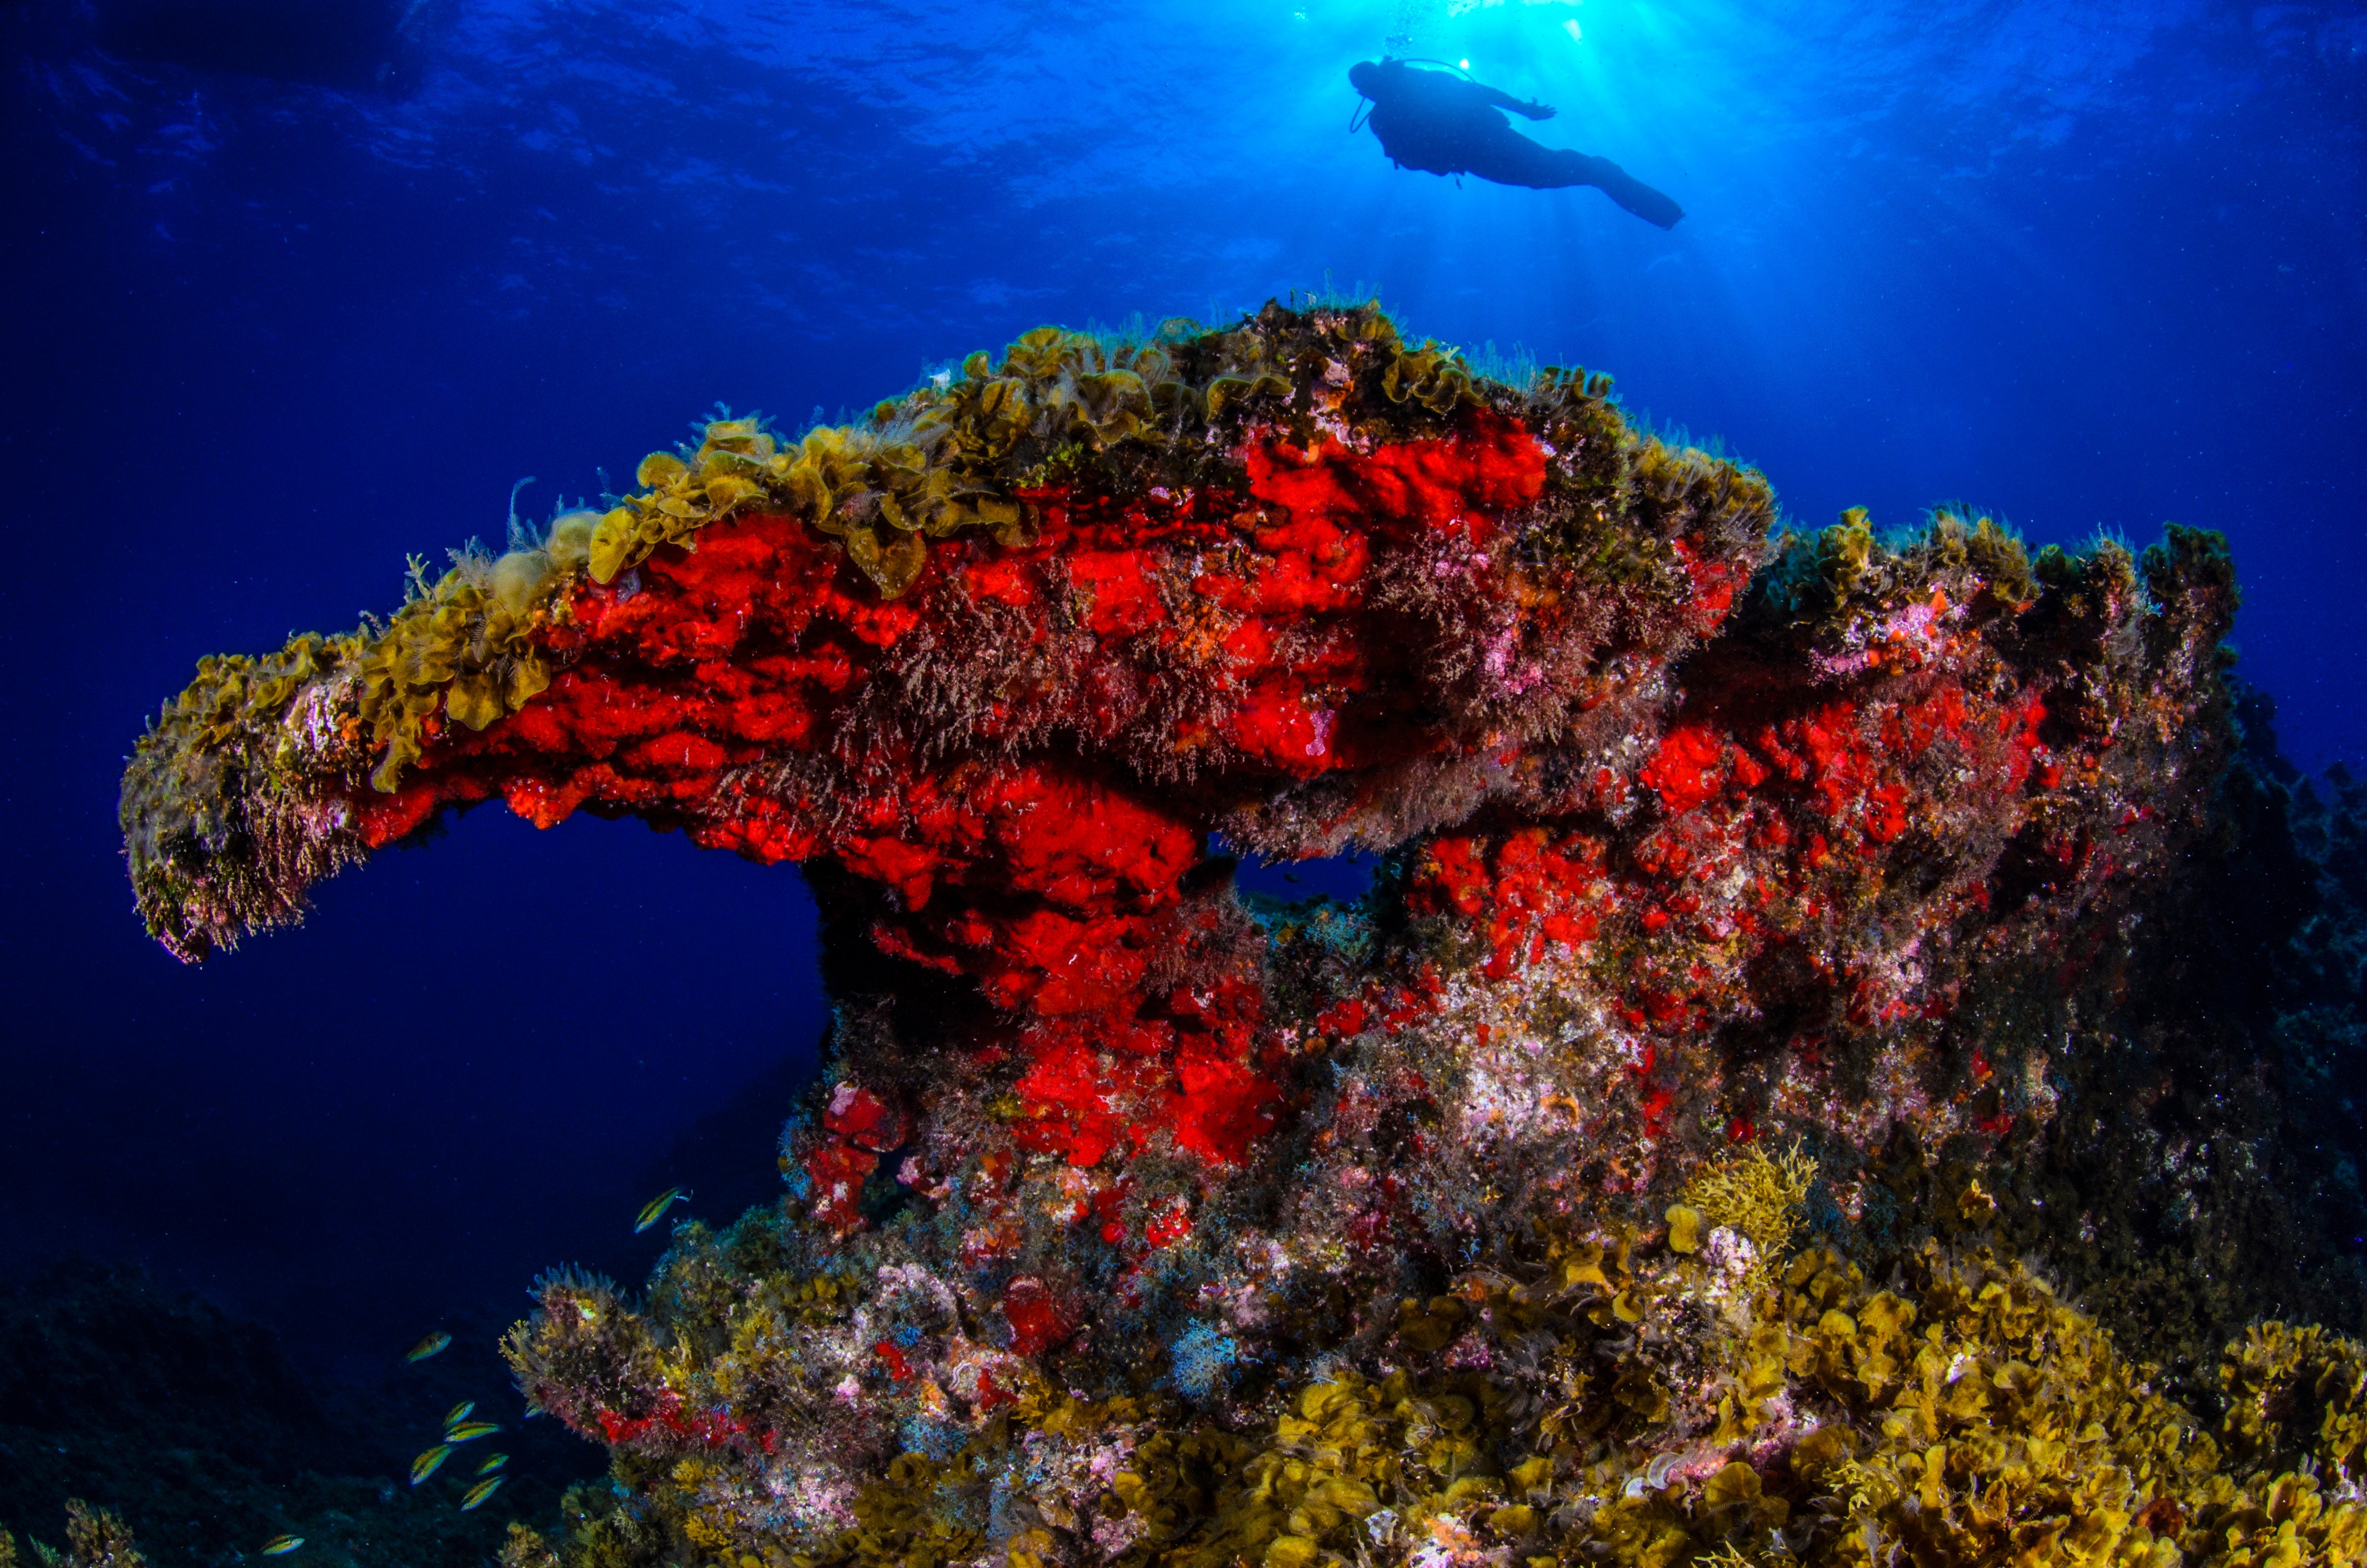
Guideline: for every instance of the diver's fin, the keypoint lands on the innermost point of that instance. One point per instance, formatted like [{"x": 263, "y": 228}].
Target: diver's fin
[{"x": 1633, "y": 194}]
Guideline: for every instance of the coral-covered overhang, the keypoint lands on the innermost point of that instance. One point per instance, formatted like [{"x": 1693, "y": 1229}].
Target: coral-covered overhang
[
  {"x": 1298, "y": 584},
  {"x": 1694, "y": 837}
]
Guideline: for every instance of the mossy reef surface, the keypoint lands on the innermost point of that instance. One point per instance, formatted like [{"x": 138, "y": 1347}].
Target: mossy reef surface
[{"x": 1842, "y": 1062}]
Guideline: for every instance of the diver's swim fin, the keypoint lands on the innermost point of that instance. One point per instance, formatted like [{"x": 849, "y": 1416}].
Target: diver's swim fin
[{"x": 1635, "y": 196}]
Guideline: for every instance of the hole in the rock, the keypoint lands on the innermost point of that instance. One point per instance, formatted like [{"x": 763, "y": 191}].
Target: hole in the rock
[{"x": 1343, "y": 877}]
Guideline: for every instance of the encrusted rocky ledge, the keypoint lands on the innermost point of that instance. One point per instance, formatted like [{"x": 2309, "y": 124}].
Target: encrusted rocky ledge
[{"x": 1612, "y": 1184}]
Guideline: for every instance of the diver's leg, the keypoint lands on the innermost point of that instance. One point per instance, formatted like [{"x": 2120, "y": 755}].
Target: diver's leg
[
  {"x": 1509, "y": 158},
  {"x": 1513, "y": 159}
]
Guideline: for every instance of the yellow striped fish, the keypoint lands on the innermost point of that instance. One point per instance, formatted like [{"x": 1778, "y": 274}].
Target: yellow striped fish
[
  {"x": 458, "y": 1413},
  {"x": 492, "y": 1464},
  {"x": 482, "y": 1490},
  {"x": 432, "y": 1345},
  {"x": 429, "y": 1462},
  {"x": 656, "y": 1207},
  {"x": 281, "y": 1545},
  {"x": 471, "y": 1432}
]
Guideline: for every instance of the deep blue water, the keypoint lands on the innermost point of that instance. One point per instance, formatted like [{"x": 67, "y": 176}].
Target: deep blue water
[{"x": 2091, "y": 267}]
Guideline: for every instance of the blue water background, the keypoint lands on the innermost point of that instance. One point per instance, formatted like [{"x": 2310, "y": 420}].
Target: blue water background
[{"x": 2088, "y": 265}]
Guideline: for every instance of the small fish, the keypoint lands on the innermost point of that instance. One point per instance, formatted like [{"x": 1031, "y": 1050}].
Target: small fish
[
  {"x": 432, "y": 1345},
  {"x": 656, "y": 1207},
  {"x": 429, "y": 1462},
  {"x": 471, "y": 1432},
  {"x": 281, "y": 1545},
  {"x": 492, "y": 1464},
  {"x": 458, "y": 1413},
  {"x": 482, "y": 1490}
]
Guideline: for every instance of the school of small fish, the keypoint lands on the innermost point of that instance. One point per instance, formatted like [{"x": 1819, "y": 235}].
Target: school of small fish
[{"x": 458, "y": 1427}]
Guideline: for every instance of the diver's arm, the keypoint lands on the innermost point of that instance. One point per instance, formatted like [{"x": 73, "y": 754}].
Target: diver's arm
[{"x": 1497, "y": 99}]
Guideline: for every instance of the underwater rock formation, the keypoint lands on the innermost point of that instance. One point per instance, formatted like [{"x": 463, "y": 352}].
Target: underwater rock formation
[
  {"x": 2202, "y": 1168},
  {"x": 1137, "y": 1219}
]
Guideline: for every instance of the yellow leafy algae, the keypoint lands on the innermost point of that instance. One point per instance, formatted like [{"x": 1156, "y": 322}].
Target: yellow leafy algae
[{"x": 1956, "y": 1411}]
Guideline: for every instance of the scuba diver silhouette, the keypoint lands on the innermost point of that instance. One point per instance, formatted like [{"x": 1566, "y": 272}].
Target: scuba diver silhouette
[{"x": 1443, "y": 124}]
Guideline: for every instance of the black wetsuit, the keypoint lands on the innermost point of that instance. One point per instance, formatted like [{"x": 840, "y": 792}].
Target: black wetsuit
[{"x": 1438, "y": 122}]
